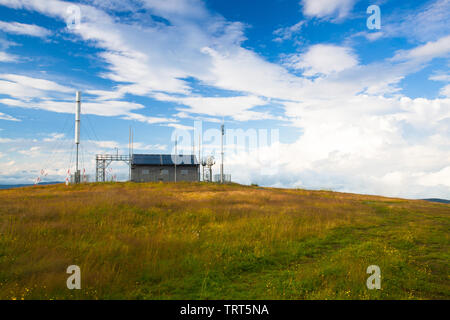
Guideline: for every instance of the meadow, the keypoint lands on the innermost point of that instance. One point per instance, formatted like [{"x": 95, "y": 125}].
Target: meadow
[{"x": 209, "y": 241}]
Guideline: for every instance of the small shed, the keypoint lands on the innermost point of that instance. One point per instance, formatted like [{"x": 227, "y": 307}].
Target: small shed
[{"x": 161, "y": 167}]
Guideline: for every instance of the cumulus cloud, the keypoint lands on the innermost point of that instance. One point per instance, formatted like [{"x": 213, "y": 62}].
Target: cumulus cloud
[{"x": 368, "y": 144}]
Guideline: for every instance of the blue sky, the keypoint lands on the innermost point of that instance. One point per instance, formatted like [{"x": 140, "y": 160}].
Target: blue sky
[{"x": 356, "y": 110}]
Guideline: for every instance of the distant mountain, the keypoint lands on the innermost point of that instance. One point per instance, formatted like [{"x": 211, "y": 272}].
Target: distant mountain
[
  {"x": 11, "y": 186},
  {"x": 438, "y": 200}
]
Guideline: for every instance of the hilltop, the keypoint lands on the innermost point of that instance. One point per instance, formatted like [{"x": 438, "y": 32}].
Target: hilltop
[{"x": 209, "y": 241}]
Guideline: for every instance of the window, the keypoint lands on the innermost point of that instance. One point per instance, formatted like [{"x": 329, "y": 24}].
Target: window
[
  {"x": 184, "y": 172},
  {"x": 164, "y": 171}
]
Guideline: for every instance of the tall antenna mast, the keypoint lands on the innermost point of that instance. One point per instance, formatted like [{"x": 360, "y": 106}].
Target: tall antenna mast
[
  {"x": 129, "y": 153},
  {"x": 221, "y": 165},
  {"x": 77, "y": 132},
  {"x": 199, "y": 160}
]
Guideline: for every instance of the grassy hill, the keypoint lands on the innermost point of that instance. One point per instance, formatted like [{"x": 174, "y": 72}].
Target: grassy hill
[{"x": 204, "y": 241}]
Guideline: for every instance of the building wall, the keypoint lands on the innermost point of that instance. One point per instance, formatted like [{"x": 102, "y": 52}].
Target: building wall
[{"x": 163, "y": 173}]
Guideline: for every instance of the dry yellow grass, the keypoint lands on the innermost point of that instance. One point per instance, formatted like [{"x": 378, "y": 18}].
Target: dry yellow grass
[{"x": 204, "y": 241}]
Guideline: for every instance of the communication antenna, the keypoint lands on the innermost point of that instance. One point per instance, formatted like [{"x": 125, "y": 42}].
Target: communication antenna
[
  {"x": 77, "y": 132},
  {"x": 199, "y": 160},
  {"x": 129, "y": 153},
  {"x": 210, "y": 161},
  {"x": 203, "y": 167},
  {"x": 221, "y": 165}
]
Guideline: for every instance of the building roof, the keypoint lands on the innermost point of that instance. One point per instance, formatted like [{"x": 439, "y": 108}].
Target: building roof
[{"x": 163, "y": 160}]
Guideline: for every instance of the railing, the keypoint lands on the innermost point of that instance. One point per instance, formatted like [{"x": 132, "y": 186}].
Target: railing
[{"x": 112, "y": 157}]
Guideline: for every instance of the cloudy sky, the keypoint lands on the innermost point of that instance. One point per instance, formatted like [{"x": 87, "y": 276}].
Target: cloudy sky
[{"x": 356, "y": 109}]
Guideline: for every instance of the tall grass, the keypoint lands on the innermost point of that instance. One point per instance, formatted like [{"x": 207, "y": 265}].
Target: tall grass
[{"x": 204, "y": 241}]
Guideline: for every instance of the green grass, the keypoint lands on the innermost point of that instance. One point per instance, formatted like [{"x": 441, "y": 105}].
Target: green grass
[{"x": 207, "y": 241}]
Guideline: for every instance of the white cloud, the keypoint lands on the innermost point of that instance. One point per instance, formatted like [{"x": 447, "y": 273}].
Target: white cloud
[
  {"x": 323, "y": 59},
  {"x": 24, "y": 29},
  {"x": 432, "y": 179},
  {"x": 440, "y": 77},
  {"x": 54, "y": 137},
  {"x": 180, "y": 126},
  {"x": 176, "y": 9},
  {"x": 241, "y": 70},
  {"x": 8, "y": 140},
  {"x": 106, "y": 144},
  {"x": 327, "y": 8},
  {"x": 104, "y": 108},
  {"x": 367, "y": 145},
  {"x": 174, "y": 52},
  {"x": 25, "y": 87},
  {"x": 287, "y": 33},
  {"x": 445, "y": 91},
  {"x": 236, "y": 107},
  {"x": 426, "y": 52},
  {"x": 36, "y": 83},
  {"x": 147, "y": 119},
  {"x": 31, "y": 152},
  {"x": 139, "y": 146},
  {"x": 6, "y": 57},
  {"x": 371, "y": 36},
  {"x": 427, "y": 23},
  {"x": 7, "y": 117}
]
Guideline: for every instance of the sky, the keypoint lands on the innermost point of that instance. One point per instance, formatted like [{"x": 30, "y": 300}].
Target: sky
[{"x": 315, "y": 94}]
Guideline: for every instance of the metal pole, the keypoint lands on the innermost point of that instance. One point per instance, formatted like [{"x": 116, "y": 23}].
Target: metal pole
[
  {"x": 129, "y": 154},
  {"x": 199, "y": 161},
  {"x": 221, "y": 165},
  {"x": 176, "y": 155},
  {"x": 104, "y": 171},
  {"x": 76, "y": 170},
  {"x": 77, "y": 131}
]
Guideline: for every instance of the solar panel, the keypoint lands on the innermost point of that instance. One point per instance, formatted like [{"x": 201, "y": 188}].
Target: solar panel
[{"x": 163, "y": 159}]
